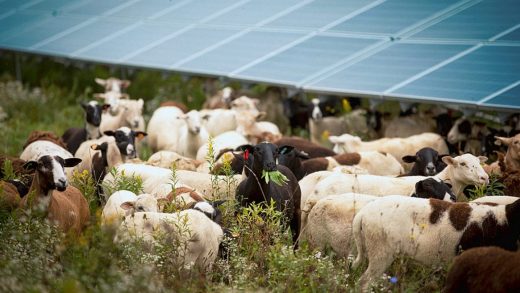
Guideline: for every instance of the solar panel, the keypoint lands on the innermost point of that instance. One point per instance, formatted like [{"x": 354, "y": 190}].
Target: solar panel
[
  {"x": 471, "y": 77},
  {"x": 382, "y": 70},
  {"x": 298, "y": 62},
  {"x": 391, "y": 17},
  {"x": 481, "y": 21},
  {"x": 461, "y": 51}
]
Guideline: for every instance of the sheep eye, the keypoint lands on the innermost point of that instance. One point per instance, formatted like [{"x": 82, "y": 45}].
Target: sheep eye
[
  {"x": 140, "y": 209},
  {"x": 463, "y": 164}
]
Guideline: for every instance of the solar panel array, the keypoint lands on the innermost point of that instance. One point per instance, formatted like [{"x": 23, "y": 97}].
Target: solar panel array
[{"x": 461, "y": 52}]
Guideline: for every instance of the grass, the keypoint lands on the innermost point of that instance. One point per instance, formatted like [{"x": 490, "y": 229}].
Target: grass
[{"x": 35, "y": 257}]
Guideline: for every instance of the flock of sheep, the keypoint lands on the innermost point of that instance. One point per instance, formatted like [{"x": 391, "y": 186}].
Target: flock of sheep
[{"x": 375, "y": 199}]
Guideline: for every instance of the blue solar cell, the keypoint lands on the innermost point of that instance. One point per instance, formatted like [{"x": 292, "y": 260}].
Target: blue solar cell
[
  {"x": 97, "y": 8},
  {"x": 472, "y": 77},
  {"x": 391, "y": 16},
  {"x": 512, "y": 36},
  {"x": 7, "y": 6},
  {"x": 299, "y": 62},
  {"x": 510, "y": 98},
  {"x": 130, "y": 41},
  {"x": 54, "y": 6},
  {"x": 82, "y": 37},
  {"x": 43, "y": 30},
  {"x": 253, "y": 12},
  {"x": 479, "y": 22},
  {"x": 18, "y": 22},
  {"x": 393, "y": 65},
  {"x": 145, "y": 9},
  {"x": 317, "y": 14},
  {"x": 180, "y": 47},
  {"x": 196, "y": 11},
  {"x": 239, "y": 52}
]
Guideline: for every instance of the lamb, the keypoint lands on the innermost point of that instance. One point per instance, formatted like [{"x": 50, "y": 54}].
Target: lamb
[
  {"x": 484, "y": 269},
  {"x": 130, "y": 114},
  {"x": 397, "y": 147},
  {"x": 254, "y": 189},
  {"x": 66, "y": 207},
  {"x": 192, "y": 135},
  {"x": 166, "y": 159},
  {"x": 429, "y": 230},
  {"x": 194, "y": 236},
  {"x": 328, "y": 221},
  {"x": 311, "y": 149},
  {"x": 253, "y": 130},
  {"x": 124, "y": 202},
  {"x": 512, "y": 158},
  {"x": 460, "y": 172},
  {"x": 427, "y": 162},
  {"x": 73, "y": 137}
]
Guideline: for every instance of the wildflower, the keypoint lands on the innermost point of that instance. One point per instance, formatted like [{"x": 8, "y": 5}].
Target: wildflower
[
  {"x": 325, "y": 135},
  {"x": 393, "y": 280}
]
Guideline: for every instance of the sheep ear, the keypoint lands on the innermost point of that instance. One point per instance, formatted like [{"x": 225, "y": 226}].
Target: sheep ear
[
  {"x": 100, "y": 81},
  {"x": 503, "y": 140},
  {"x": 206, "y": 117},
  {"x": 140, "y": 135},
  {"x": 109, "y": 133},
  {"x": 283, "y": 150},
  {"x": 127, "y": 205},
  {"x": 409, "y": 159},
  {"x": 218, "y": 203},
  {"x": 482, "y": 159},
  {"x": 245, "y": 147},
  {"x": 71, "y": 162},
  {"x": 30, "y": 165},
  {"x": 449, "y": 161},
  {"x": 140, "y": 101},
  {"x": 105, "y": 107},
  {"x": 99, "y": 147}
]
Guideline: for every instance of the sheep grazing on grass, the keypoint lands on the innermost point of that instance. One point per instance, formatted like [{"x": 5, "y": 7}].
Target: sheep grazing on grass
[
  {"x": 65, "y": 206},
  {"x": 429, "y": 230},
  {"x": 484, "y": 269},
  {"x": 254, "y": 189}
]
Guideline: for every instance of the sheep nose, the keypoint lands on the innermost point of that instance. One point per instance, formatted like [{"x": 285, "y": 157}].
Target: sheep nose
[
  {"x": 271, "y": 166},
  {"x": 197, "y": 129},
  {"x": 484, "y": 179},
  {"x": 136, "y": 124},
  {"x": 430, "y": 169}
]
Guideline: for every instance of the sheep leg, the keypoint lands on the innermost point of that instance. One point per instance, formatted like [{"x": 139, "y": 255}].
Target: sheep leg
[{"x": 378, "y": 262}]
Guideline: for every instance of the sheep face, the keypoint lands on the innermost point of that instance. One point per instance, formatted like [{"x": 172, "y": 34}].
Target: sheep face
[
  {"x": 264, "y": 156},
  {"x": 113, "y": 84},
  {"x": 125, "y": 140},
  {"x": 431, "y": 188},
  {"x": 460, "y": 131},
  {"x": 133, "y": 113},
  {"x": 427, "y": 162},
  {"x": 93, "y": 111},
  {"x": 143, "y": 203},
  {"x": 290, "y": 156},
  {"x": 193, "y": 121},
  {"x": 513, "y": 143},
  {"x": 316, "y": 115},
  {"x": 244, "y": 103},
  {"x": 468, "y": 168},
  {"x": 51, "y": 174}
]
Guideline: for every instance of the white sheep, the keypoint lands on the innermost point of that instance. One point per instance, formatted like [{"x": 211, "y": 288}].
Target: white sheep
[
  {"x": 254, "y": 130},
  {"x": 192, "y": 135},
  {"x": 163, "y": 128},
  {"x": 130, "y": 114},
  {"x": 428, "y": 230},
  {"x": 113, "y": 99},
  {"x": 194, "y": 237},
  {"x": 226, "y": 140},
  {"x": 461, "y": 171},
  {"x": 218, "y": 121},
  {"x": 124, "y": 202},
  {"x": 397, "y": 147}
]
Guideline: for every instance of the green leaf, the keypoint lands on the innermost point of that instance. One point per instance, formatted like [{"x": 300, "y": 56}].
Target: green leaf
[{"x": 276, "y": 176}]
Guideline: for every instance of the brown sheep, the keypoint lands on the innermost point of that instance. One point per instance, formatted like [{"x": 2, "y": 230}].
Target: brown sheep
[
  {"x": 484, "y": 269},
  {"x": 65, "y": 206},
  {"x": 9, "y": 196},
  {"x": 44, "y": 135}
]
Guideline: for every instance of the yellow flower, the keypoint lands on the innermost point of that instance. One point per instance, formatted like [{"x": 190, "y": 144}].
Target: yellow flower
[
  {"x": 325, "y": 134},
  {"x": 346, "y": 105}
]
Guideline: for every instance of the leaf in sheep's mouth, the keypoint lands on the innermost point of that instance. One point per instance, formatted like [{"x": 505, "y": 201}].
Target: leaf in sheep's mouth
[{"x": 276, "y": 176}]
